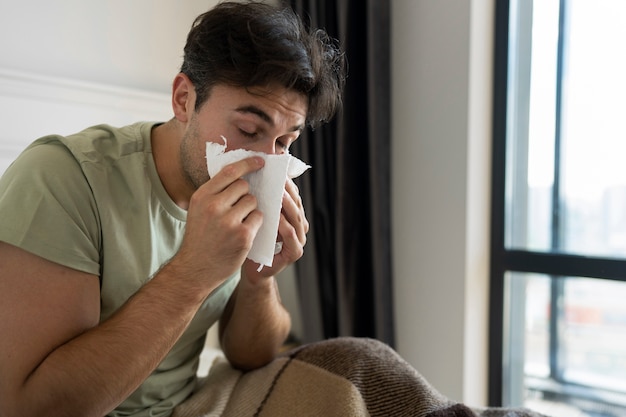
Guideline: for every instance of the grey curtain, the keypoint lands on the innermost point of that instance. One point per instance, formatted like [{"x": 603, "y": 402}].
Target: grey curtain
[{"x": 345, "y": 277}]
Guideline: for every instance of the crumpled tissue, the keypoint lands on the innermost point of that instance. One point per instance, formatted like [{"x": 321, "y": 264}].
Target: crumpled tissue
[{"x": 267, "y": 185}]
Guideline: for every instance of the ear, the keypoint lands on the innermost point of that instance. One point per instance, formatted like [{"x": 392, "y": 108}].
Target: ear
[{"x": 183, "y": 97}]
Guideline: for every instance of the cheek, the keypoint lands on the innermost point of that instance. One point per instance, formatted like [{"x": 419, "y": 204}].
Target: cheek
[
  {"x": 233, "y": 141},
  {"x": 193, "y": 160}
]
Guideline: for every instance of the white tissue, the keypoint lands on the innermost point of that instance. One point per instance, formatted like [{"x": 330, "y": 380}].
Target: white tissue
[{"x": 267, "y": 185}]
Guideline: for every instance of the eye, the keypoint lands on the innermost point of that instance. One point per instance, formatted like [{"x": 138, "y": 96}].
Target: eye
[{"x": 247, "y": 134}]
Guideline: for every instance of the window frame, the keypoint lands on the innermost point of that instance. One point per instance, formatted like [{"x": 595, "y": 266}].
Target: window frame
[{"x": 504, "y": 260}]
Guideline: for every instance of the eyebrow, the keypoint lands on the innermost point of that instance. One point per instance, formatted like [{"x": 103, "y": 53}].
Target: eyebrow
[{"x": 250, "y": 108}]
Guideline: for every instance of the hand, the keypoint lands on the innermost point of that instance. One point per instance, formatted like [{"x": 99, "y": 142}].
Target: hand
[
  {"x": 222, "y": 222},
  {"x": 292, "y": 229}
]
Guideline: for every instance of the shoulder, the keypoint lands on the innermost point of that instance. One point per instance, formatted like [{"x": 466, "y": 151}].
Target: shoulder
[
  {"x": 93, "y": 144},
  {"x": 103, "y": 143},
  {"x": 41, "y": 163}
]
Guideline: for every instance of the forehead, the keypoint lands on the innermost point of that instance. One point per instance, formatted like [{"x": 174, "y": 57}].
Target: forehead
[{"x": 277, "y": 102}]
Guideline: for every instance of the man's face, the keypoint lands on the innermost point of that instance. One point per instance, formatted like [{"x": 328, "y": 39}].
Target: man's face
[{"x": 262, "y": 119}]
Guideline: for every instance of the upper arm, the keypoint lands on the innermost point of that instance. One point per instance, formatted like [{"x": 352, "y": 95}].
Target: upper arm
[
  {"x": 42, "y": 306},
  {"x": 48, "y": 208}
]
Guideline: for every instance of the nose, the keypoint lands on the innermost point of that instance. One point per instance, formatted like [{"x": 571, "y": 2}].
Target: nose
[{"x": 269, "y": 146}]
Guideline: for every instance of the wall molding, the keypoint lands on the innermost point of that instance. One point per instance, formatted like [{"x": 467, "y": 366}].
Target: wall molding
[
  {"x": 41, "y": 87},
  {"x": 34, "y": 105}
]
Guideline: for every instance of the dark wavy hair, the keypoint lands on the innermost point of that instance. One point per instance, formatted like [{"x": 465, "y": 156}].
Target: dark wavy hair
[{"x": 256, "y": 44}]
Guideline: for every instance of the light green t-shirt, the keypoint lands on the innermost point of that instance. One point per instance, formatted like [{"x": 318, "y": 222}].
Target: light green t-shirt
[{"x": 94, "y": 202}]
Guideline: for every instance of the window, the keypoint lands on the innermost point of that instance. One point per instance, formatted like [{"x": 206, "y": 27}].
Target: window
[{"x": 558, "y": 320}]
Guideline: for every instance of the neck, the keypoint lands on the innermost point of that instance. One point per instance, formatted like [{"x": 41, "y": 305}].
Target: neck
[{"x": 166, "y": 153}]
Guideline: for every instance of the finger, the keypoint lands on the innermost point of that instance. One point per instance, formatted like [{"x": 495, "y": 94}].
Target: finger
[
  {"x": 293, "y": 244},
  {"x": 293, "y": 191},
  {"x": 208, "y": 201},
  {"x": 232, "y": 172},
  {"x": 235, "y": 192},
  {"x": 254, "y": 219},
  {"x": 294, "y": 215},
  {"x": 242, "y": 208}
]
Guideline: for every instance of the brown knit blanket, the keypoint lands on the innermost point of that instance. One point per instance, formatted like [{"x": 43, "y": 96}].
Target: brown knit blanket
[{"x": 340, "y": 377}]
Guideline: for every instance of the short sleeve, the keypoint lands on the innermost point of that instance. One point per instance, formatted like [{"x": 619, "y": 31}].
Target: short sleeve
[{"x": 47, "y": 207}]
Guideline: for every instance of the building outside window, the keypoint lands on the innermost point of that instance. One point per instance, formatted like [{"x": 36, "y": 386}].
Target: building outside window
[{"x": 558, "y": 330}]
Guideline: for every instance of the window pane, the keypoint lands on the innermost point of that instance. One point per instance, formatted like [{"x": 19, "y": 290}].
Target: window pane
[
  {"x": 586, "y": 214},
  {"x": 594, "y": 143},
  {"x": 565, "y": 337},
  {"x": 537, "y": 326},
  {"x": 594, "y": 333},
  {"x": 531, "y": 123},
  {"x": 527, "y": 335},
  {"x": 577, "y": 367}
]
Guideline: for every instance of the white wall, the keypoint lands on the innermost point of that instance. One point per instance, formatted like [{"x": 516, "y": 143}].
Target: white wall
[
  {"x": 441, "y": 59},
  {"x": 134, "y": 44},
  {"x": 441, "y": 83}
]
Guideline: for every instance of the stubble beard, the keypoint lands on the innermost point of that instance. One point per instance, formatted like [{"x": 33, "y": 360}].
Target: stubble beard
[{"x": 192, "y": 160}]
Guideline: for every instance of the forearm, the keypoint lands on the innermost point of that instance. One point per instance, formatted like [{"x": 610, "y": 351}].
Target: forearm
[
  {"x": 96, "y": 371},
  {"x": 255, "y": 324}
]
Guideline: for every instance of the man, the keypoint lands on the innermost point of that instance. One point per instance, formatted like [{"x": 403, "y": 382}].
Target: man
[{"x": 117, "y": 250}]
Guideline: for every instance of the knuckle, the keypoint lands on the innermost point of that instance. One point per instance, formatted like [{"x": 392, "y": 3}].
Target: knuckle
[
  {"x": 243, "y": 185},
  {"x": 298, "y": 252},
  {"x": 249, "y": 200},
  {"x": 195, "y": 198},
  {"x": 212, "y": 207},
  {"x": 231, "y": 171}
]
